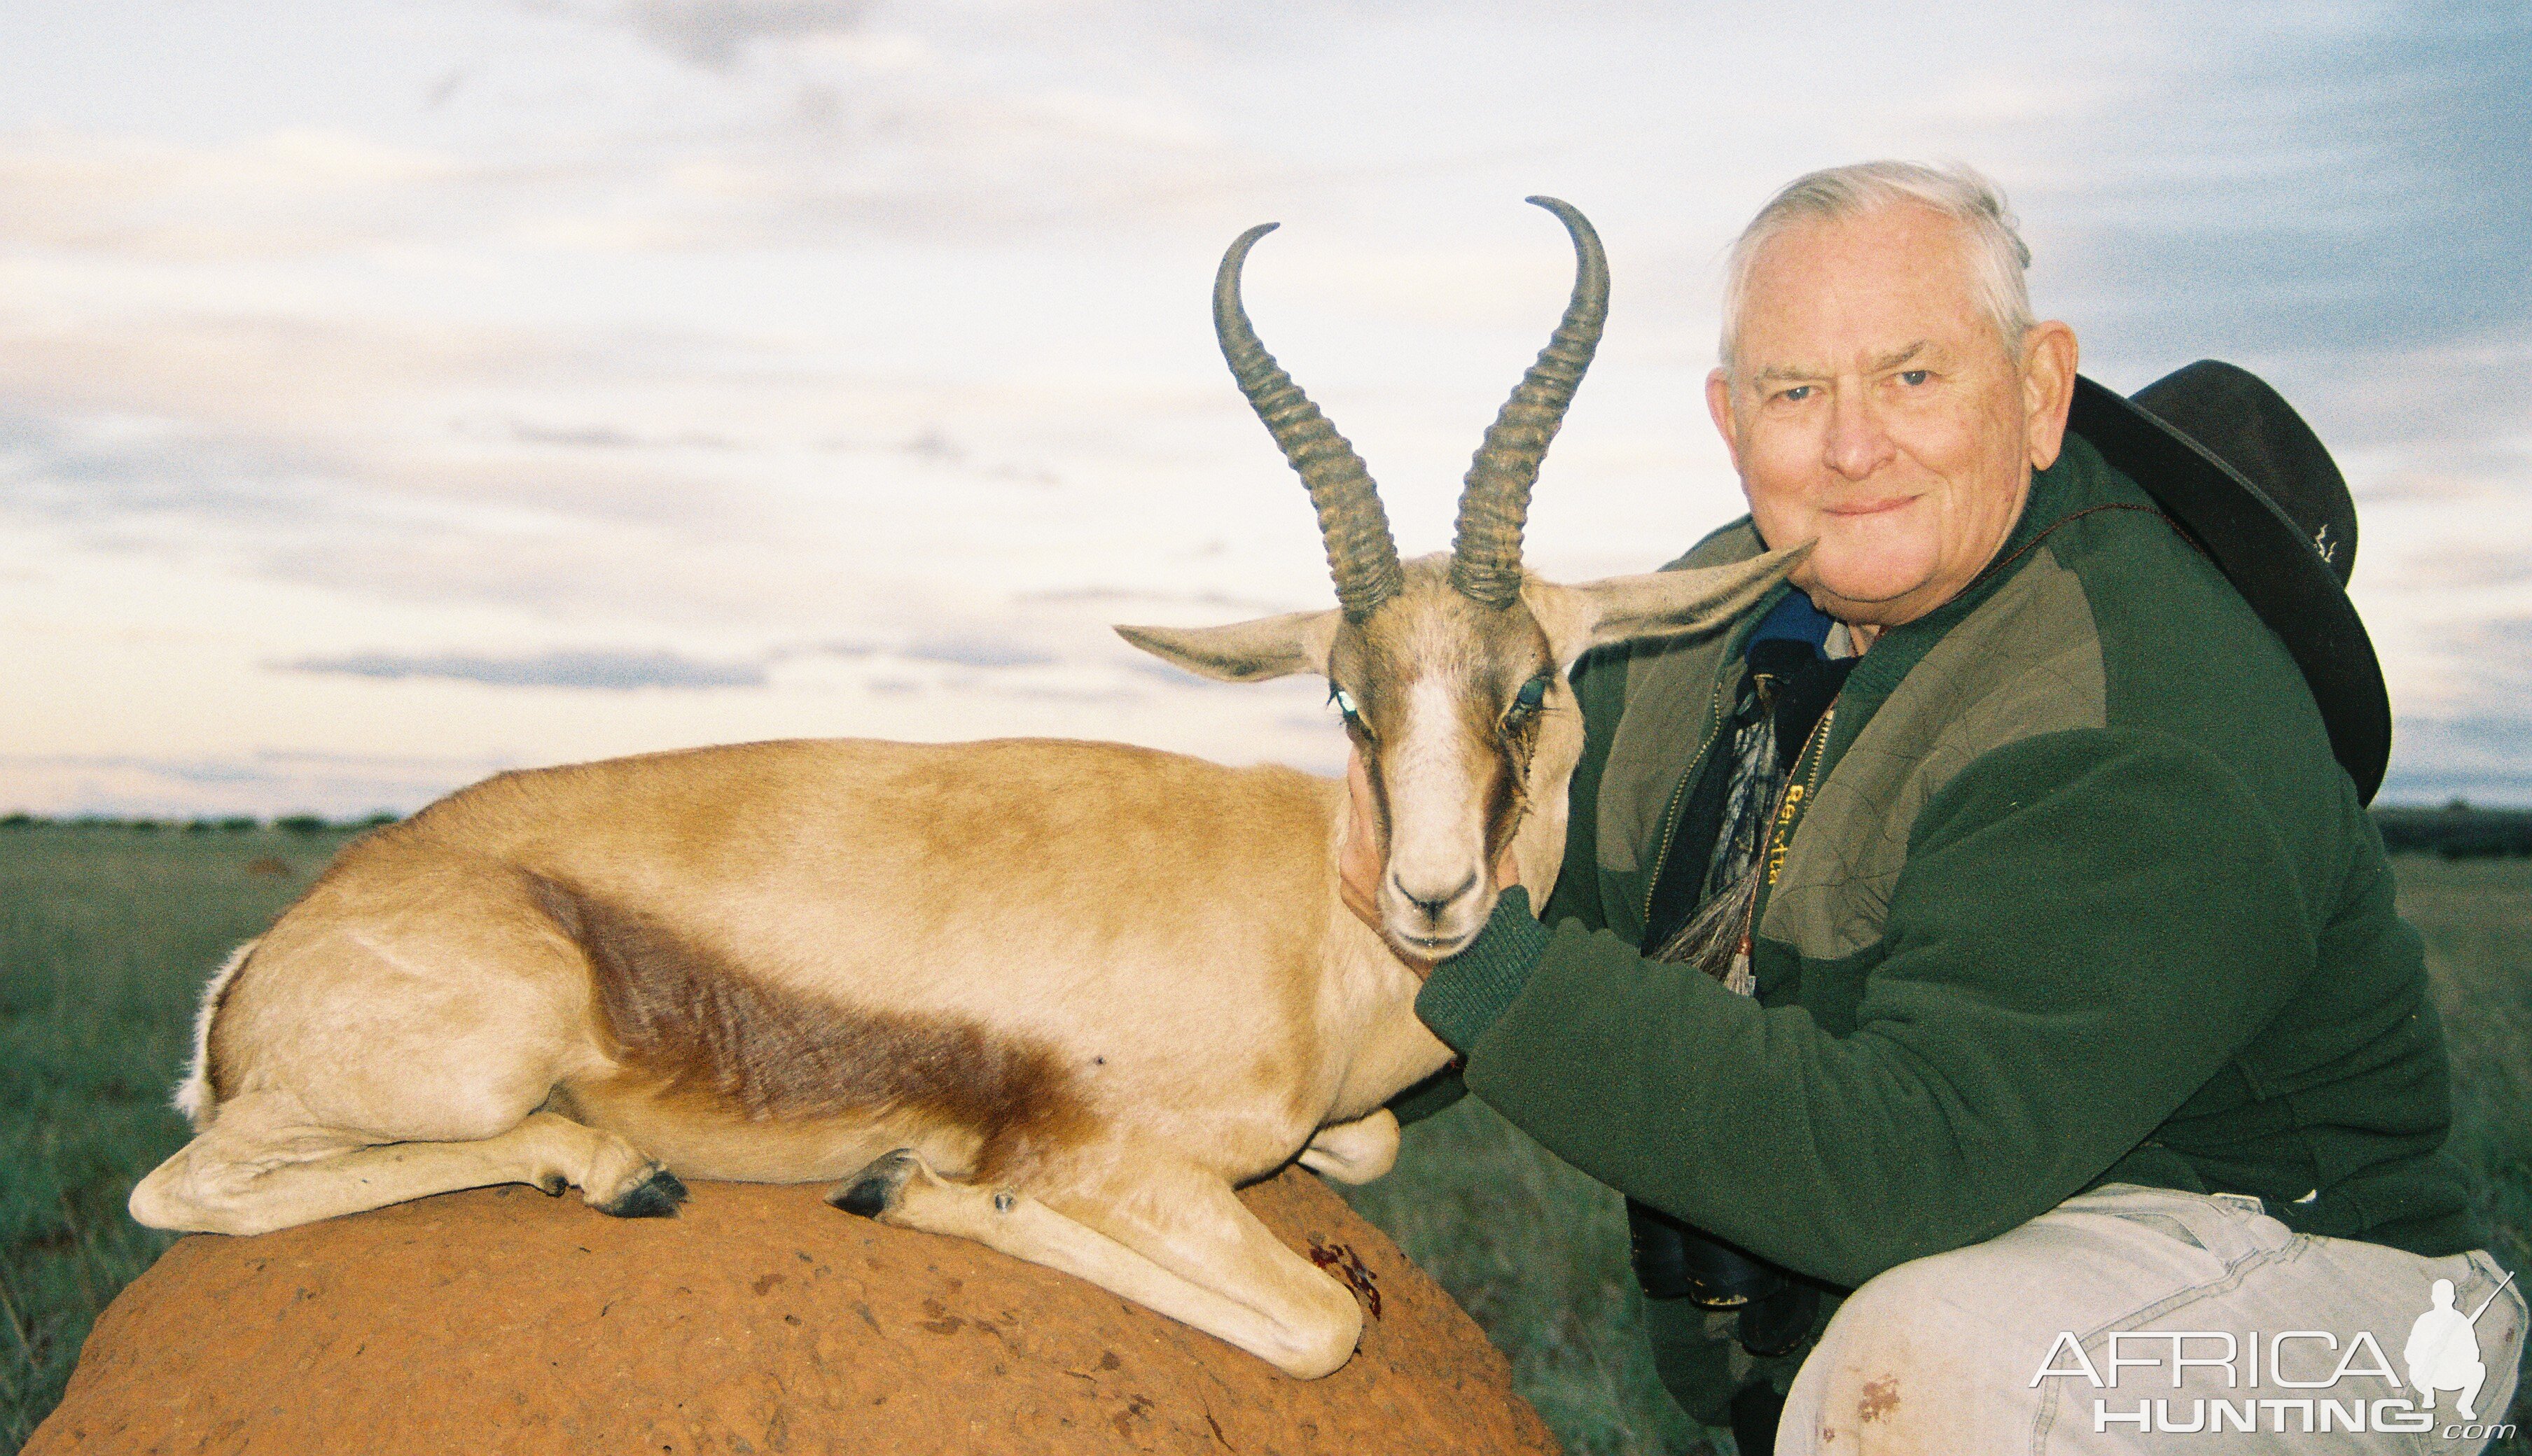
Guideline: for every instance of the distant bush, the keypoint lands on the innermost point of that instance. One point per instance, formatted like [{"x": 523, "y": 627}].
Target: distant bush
[
  {"x": 298, "y": 824},
  {"x": 2457, "y": 831}
]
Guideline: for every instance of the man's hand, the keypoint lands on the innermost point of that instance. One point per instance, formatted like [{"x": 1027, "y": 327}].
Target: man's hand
[{"x": 1362, "y": 859}]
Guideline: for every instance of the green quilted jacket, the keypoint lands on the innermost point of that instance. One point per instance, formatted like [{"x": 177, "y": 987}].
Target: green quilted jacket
[{"x": 2074, "y": 894}]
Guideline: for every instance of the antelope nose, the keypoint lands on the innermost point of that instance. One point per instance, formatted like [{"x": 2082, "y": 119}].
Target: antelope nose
[{"x": 1433, "y": 905}]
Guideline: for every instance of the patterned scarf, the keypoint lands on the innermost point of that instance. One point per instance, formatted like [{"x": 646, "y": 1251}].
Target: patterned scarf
[
  {"x": 1716, "y": 937},
  {"x": 1711, "y": 939}
]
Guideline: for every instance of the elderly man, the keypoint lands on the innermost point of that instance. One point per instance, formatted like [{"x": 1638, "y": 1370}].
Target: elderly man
[{"x": 1989, "y": 927}]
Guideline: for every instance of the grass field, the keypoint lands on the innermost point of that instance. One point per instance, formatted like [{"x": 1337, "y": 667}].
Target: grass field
[{"x": 106, "y": 934}]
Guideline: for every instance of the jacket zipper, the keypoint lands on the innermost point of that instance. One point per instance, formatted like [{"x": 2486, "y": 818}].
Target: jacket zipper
[
  {"x": 1742, "y": 971},
  {"x": 1791, "y": 810},
  {"x": 1715, "y": 716}
]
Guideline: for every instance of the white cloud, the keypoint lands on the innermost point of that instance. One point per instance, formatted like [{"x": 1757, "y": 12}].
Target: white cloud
[
  {"x": 602, "y": 669},
  {"x": 284, "y": 192},
  {"x": 469, "y": 334},
  {"x": 715, "y": 33}
]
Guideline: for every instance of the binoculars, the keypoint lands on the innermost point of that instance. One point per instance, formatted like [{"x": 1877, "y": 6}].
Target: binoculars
[{"x": 1673, "y": 1260}]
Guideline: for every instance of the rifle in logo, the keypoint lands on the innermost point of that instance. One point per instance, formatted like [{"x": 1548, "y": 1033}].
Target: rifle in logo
[{"x": 2436, "y": 1361}]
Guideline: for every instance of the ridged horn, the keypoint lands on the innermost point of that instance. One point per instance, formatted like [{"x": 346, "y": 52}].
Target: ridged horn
[
  {"x": 1485, "y": 554},
  {"x": 1362, "y": 556}
]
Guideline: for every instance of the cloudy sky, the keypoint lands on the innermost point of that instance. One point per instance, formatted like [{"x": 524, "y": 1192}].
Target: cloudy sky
[{"x": 390, "y": 393}]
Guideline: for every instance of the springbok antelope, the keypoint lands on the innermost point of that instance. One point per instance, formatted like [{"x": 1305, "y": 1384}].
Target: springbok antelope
[{"x": 1056, "y": 997}]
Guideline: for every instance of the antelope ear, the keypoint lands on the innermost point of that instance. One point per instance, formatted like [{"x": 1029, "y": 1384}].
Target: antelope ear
[
  {"x": 1659, "y": 604},
  {"x": 1245, "y": 652}
]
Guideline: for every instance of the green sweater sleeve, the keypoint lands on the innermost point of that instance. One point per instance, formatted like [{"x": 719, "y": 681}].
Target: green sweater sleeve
[{"x": 2088, "y": 924}]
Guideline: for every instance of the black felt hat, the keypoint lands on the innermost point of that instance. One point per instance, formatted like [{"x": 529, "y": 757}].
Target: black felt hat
[{"x": 2231, "y": 460}]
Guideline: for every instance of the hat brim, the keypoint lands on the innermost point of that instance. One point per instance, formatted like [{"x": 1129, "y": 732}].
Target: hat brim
[{"x": 2265, "y": 555}]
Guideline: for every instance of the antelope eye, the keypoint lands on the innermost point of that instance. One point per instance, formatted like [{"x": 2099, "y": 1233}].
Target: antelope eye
[
  {"x": 1532, "y": 694},
  {"x": 1344, "y": 703}
]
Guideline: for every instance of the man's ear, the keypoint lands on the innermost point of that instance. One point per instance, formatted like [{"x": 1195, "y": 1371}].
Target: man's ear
[
  {"x": 2048, "y": 354},
  {"x": 1579, "y": 618},
  {"x": 1245, "y": 652}
]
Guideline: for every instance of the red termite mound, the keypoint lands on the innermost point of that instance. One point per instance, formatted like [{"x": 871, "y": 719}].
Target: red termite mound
[{"x": 758, "y": 1320}]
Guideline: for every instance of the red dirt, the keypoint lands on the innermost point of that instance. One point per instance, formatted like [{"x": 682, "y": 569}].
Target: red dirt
[{"x": 758, "y": 1320}]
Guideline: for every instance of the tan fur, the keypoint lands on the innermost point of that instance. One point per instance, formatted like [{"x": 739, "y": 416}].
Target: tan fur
[
  {"x": 194, "y": 1096},
  {"x": 1074, "y": 992}
]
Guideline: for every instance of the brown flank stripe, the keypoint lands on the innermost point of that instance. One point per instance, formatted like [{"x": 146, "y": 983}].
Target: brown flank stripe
[{"x": 683, "y": 1012}]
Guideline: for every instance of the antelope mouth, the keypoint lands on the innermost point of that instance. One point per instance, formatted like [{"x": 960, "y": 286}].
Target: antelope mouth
[
  {"x": 1436, "y": 947},
  {"x": 1433, "y": 950}
]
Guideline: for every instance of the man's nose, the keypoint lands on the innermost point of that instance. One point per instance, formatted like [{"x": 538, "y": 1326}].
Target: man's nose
[{"x": 1857, "y": 444}]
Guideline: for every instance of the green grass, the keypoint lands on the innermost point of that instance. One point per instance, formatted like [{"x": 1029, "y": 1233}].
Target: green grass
[
  {"x": 106, "y": 934},
  {"x": 105, "y": 937},
  {"x": 2475, "y": 915},
  {"x": 1537, "y": 1253}
]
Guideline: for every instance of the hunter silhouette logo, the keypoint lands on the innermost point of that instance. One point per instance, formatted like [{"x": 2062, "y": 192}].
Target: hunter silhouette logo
[{"x": 2443, "y": 1352}]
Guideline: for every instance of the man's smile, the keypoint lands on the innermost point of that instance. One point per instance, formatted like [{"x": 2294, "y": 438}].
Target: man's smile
[{"x": 1873, "y": 507}]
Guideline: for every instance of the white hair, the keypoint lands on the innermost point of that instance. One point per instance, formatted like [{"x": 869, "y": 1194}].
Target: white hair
[{"x": 1996, "y": 253}]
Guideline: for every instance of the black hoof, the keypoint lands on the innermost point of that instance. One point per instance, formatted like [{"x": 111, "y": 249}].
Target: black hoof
[
  {"x": 655, "y": 1196},
  {"x": 874, "y": 1190},
  {"x": 552, "y": 1184}
]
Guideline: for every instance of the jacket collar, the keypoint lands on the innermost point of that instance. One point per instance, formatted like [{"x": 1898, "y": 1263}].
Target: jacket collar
[{"x": 2079, "y": 480}]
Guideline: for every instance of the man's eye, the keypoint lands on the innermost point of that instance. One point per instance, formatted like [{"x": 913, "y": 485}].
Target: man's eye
[
  {"x": 1796, "y": 394},
  {"x": 1913, "y": 377}
]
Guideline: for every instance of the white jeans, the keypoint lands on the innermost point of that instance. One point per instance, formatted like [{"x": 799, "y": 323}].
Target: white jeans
[{"x": 2061, "y": 1336}]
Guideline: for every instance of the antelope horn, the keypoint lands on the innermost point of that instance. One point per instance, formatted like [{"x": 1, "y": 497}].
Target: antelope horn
[
  {"x": 1485, "y": 556},
  {"x": 1362, "y": 556}
]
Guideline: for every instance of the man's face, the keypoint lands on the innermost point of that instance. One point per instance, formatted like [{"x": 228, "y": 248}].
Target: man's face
[{"x": 1876, "y": 411}]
